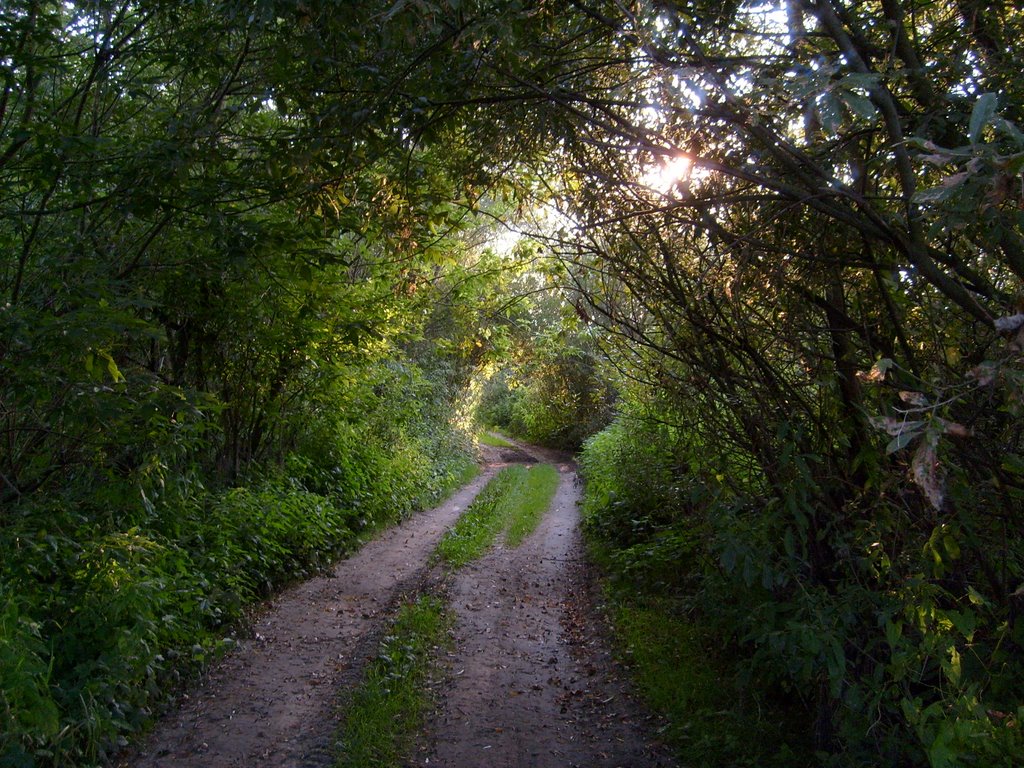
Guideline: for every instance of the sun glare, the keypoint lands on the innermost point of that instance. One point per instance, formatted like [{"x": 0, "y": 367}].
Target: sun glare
[
  {"x": 505, "y": 241},
  {"x": 665, "y": 175}
]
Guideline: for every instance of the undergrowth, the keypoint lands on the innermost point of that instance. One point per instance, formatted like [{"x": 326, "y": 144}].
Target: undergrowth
[
  {"x": 759, "y": 654},
  {"x": 103, "y": 612},
  {"x": 652, "y": 558},
  {"x": 386, "y": 711},
  {"x": 713, "y": 716}
]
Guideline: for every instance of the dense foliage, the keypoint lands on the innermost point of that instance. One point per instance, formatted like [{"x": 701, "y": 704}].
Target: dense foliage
[
  {"x": 815, "y": 322},
  {"x": 547, "y": 386},
  {"x": 215, "y": 357},
  {"x": 788, "y": 238},
  {"x": 794, "y": 230}
]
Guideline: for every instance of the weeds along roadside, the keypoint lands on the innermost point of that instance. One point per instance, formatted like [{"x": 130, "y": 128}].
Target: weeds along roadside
[
  {"x": 651, "y": 559},
  {"x": 383, "y": 716},
  {"x": 102, "y": 618},
  {"x": 711, "y": 708}
]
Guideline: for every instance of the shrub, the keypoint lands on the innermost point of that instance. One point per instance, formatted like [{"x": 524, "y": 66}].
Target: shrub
[
  {"x": 29, "y": 717},
  {"x": 110, "y": 592},
  {"x": 873, "y": 621},
  {"x": 557, "y": 402}
]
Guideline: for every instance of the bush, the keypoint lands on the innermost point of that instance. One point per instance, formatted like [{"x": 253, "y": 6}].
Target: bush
[
  {"x": 647, "y": 523},
  {"x": 885, "y": 638},
  {"x": 97, "y": 616},
  {"x": 251, "y": 540},
  {"x": 109, "y": 593},
  {"x": 29, "y": 716},
  {"x": 557, "y": 402},
  {"x": 623, "y": 506}
]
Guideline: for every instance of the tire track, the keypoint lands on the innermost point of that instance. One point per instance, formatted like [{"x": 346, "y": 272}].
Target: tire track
[
  {"x": 272, "y": 701},
  {"x": 525, "y": 688}
]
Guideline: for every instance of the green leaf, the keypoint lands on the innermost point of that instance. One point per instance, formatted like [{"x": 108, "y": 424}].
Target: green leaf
[
  {"x": 1009, "y": 129},
  {"x": 112, "y": 368},
  {"x": 1013, "y": 463},
  {"x": 965, "y": 622},
  {"x": 982, "y": 114},
  {"x": 829, "y": 113},
  {"x": 976, "y": 597},
  {"x": 893, "y": 632},
  {"x": 859, "y": 105},
  {"x": 941, "y": 753},
  {"x": 901, "y": 440}
]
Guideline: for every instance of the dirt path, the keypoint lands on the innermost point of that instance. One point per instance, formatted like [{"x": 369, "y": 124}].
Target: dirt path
[
  {"x": 272, "y": 701},
  {"x": 530, "y": 682}
]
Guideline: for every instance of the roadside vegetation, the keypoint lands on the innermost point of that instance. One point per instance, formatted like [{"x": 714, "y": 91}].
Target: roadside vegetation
[
  {"x": 103, "y": 609},
  {"x": 212, "y": 380},
  {"x": 662, "y": 601},
  {"x": 803, "y": 290},
  {"x": 715, "y": 714}
]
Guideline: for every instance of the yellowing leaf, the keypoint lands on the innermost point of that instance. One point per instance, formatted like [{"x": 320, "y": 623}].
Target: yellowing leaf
[
  {"x": 927, "y": 472},
  {"x": 877, "y": 372},
  {"x": 112, "y": 368}
]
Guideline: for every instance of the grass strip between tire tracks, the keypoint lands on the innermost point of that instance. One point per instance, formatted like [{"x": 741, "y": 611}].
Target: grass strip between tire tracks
[
  {"x": 385, "y": 713},
  {"x": 533, "y": 497},
  {"x": 514, "y": 501},
  {"x": 494, "y": 440}
]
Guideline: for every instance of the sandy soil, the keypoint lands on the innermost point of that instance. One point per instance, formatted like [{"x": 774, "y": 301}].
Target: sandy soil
[
  {"x": 272, "y": 701},
  {"x": 530, "y": 681}
]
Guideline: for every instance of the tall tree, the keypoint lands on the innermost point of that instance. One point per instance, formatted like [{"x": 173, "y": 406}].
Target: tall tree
[{"x": 822, "y": 287}]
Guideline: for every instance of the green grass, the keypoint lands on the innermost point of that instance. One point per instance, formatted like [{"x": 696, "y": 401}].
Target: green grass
[
  {"x": 386, "y": 712},
  {"x": 713, "y": 717},
  {"x": 465, "y": 472},
  {"x": 494, "y": 440},
  {"x": 513, "y": 501},
  {"x": 533, "y": 499},
  {"x": 478, "y": 526}
]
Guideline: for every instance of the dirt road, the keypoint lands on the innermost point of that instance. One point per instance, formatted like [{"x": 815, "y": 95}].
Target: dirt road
[
  {"x": 529, "y": 681},
  {"x": 272, "y": 702},
  {"x": 531, "y": 684}
]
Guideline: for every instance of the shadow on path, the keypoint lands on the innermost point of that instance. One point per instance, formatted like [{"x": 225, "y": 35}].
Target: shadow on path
[{"x": 530, "y": 681}]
